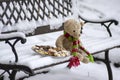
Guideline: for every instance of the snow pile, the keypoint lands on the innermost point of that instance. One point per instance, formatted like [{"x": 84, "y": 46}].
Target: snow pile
[
  {"x": 55, "y": 23},
  {"x": 83, "y": 72},
  {"x": 38, "y": 62},
  {"x": 12, "y": 35},
  {"x": 25, "y": 26}
]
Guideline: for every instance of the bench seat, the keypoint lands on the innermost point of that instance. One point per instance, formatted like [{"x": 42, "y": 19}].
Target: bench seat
[{"x": 30, "y": 58}]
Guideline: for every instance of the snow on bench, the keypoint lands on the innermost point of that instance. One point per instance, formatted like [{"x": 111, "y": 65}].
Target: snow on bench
[
  {"x": 97, "y": 45},
  {"x": 12, "y": 35},
  {"x": 34, "y": 60}
]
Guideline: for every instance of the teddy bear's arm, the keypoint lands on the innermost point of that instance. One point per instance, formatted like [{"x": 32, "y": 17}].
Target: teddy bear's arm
[{"x": 59, "y": 41}]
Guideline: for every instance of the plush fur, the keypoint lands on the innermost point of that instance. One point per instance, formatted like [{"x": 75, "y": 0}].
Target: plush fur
[{"x": 72, "y": 27}]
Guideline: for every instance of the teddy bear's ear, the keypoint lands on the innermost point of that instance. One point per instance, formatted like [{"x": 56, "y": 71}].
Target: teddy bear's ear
[{"x": 81, "y": 23}]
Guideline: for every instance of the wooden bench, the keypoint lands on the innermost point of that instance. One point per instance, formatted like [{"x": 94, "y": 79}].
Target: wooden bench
[{"x": 27, "y": 60}]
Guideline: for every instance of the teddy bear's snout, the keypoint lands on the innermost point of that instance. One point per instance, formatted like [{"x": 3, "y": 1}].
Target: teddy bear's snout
[{"x": 76, "y": 35}]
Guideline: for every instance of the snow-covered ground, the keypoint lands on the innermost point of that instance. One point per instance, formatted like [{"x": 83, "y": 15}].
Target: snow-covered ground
[{"x": 90, "y": 9}]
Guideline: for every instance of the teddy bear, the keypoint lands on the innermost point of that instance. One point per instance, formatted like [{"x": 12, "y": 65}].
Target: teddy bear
[{"x": 70, "y": 40}]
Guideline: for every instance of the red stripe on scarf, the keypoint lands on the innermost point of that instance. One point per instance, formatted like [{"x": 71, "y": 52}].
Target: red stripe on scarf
[
  {"x": 74, "y": 50},
  {"x": 66, "y": 35},
  {"x": 84, "y": 50},
  {"x": 76, "y": 42}
]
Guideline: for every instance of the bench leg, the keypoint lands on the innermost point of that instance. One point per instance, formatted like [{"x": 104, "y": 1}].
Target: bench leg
[
  {"x": 1, "y": 77},
  {"x": 107, "y": 62},
  {"x": 12, "y": 75}
]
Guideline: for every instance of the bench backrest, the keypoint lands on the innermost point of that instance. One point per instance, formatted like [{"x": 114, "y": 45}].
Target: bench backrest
[{"x": 15, "y": 12}]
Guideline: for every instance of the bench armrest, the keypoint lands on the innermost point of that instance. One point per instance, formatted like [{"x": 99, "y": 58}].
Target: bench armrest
[
  {"x": 17, "y": 36},
  {"x": 14, "y": 35},
  {"x": 99, "y": 21},
  {"x": 102, "y": 22}
]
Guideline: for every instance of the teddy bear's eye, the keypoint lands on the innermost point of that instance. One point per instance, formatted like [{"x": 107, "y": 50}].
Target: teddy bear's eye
[{"x": 73, "y": 30}]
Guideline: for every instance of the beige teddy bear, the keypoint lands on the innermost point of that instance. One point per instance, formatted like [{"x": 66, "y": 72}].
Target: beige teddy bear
[{"x": 70, "y": 39}]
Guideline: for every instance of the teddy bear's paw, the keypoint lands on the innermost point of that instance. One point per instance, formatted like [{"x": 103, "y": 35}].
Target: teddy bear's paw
[{"x": 85, "y": 60}]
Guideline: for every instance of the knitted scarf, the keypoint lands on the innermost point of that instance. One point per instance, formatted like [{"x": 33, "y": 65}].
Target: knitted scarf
[{"x": 74, "y": 61}]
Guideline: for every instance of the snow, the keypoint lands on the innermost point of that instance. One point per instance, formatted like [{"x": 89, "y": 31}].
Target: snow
[
  {"x": 93, "y": 38},
  {"x": 84, "y": 72},
  {"x": 29, "y": 26},
  {"x": 55, "y": 23},
  {"x": 94, "y": 46},
  {"x": 26, "y": 26},
  {"x": 12, "y": 35}
]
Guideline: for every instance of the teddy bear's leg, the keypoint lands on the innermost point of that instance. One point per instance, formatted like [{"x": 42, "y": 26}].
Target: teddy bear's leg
[
  {"x": 85, "y": 60},
  {"x": 59, "y": 42}
]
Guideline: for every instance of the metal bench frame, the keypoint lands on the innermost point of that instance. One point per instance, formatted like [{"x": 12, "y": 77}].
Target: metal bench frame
[{"x": 12, "y": 69}]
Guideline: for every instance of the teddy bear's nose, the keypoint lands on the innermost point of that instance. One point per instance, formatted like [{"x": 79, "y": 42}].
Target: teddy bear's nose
[{"x": 73, "y": 30}]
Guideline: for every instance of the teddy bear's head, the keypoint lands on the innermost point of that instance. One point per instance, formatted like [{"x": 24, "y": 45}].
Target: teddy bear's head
[{"x": 73, "y": 27}]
